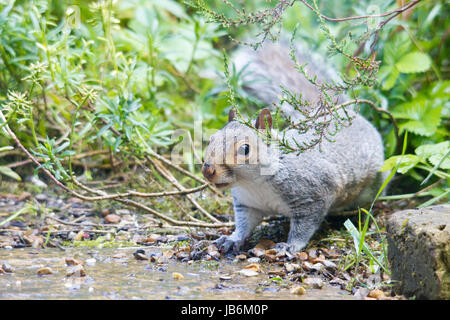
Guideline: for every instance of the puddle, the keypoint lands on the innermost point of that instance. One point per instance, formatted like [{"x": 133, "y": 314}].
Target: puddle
[{"x": 128, "y": 278}]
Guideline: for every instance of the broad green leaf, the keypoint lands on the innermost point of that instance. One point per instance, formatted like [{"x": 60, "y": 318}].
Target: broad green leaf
[
  {"x": 10, "y": 173},
  {"x": 405, "y": 162},
  {"x": 391, "y": 79},
  {"x": 414, "y": 62},
  {"x": 424, "y": 117},
  {"x": 434, "y": 153}
]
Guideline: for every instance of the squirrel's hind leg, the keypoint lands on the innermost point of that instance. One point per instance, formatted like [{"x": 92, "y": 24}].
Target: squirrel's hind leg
[
  {"x": 303, "y": 224},
  {"x": 246, "y": 219}
]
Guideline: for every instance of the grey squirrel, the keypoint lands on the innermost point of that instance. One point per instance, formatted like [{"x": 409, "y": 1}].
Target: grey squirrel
[{"x": 265, "y": 181}]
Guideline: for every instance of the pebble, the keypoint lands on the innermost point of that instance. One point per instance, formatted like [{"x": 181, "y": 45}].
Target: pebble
[
  {"x": 254, "y": 266},
  {"x": 302, "y": 256},
  {"x": 241, "y": 257},
  {"x": 248, "y": 272},
  {"x": 298, "y": 290},
  {"x": 329, "y": 265},
  {"x": 73, "y": 261},
  {"x": 44, "y": 271},
  {"x": 112, "y": 218},
  {"x": 6, "y": 267},
  {"x": 315, "y": 283},
  {"x": 90, "y": 261},
  {"x": 291, "y": 267},
  {"x": 76, "y": 270},
  {"x": 254, "y": 260},
  {"x": 377, "y": 294}
]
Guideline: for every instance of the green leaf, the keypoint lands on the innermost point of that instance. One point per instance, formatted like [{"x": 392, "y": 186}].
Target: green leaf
[
  {"x": 424, "y": 117},
  {"x": 405, "y": 163},
  {"x": 434, "y": 153},
  {"x": 414, "y": 62},
  {"x": 391, "y": 79},
  {"x": 10, "y": 173}
]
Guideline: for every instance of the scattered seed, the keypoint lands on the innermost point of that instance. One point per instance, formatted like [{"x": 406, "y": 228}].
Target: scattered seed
[{"x": 177, "y": 276}]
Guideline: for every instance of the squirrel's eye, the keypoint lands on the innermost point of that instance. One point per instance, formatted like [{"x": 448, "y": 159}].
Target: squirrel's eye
[{"x": 244, "y": 150}]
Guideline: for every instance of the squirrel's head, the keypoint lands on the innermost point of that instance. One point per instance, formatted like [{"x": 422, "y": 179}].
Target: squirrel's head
[{"x": 237, "y": 152}]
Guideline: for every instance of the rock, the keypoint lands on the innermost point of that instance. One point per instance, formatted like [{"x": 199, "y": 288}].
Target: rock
[
  {"x": 298, "y": 290},
  {"x": 329, "y": 265},
  {"x": 73, "y": 261},
  {"x": 44, "y": 271},
  {"x": 90, "y": 261},
  {"x": 248, "y": 272},
  {"x": 112, "y": 218},
  {"x": 241, "y": 257},
  {"x": 6, "y": 267},
  {"x": 104, "y": 212},
  {"x": 140, "y": 255},
  {"x": 76, "y": 270},
  {"x": 377, "y": 294},
  {"x": 419, "y": 251},
  {"x": 254, "y": 260},
  {"x": 315, "y": 283},
  {"x": 225, "y": 277},
  {"x": 302, "y": 255},
  {"x": 254, "y": 266},
  {"x": 291, "y": 267}
]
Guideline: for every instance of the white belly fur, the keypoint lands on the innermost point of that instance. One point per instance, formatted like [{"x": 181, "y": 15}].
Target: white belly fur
[{"x": 260, "y": 196}]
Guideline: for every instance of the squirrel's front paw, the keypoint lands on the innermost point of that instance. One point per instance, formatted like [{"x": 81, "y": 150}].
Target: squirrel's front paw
[
  {"x": 225, "y": 243},
  {"x": 289, "y": 247}
]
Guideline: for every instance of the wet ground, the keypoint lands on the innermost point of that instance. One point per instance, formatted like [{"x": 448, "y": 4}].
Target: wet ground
[{"x": 114, "y": 273}]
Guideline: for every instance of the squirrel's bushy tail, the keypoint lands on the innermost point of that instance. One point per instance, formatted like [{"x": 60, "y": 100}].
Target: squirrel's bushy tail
[{"x": 271, "y": 66}]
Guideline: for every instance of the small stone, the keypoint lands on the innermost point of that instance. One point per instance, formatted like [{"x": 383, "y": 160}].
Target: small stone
[
  {"x": 292, "y": 267},
  {"x": 254, "y": 266},
  {"x": 377, "y": 294},
  {"x": 225, "y": 277},
  {"x": 177, "y": 276},
  {"x": 248, "y": 272},
  {"x": 315, "y": 283},
  {"x": 76, "y": 270},
  {"x": 254, "y": 260},
  {"x": 277, "y": 272},
  {"x": 104, "y": 212},
  {"x": 73, "y": 261},
  {"x": 119, "y": 255},
  {"x": 318, "y": 267},
  {"x": 306, "y": 265},
  {"x": 312, "y": 253},
  {"x": 112, "y": 218},
  {"x": 7, "y": 268},
  {"x": 44, "y": 271},
  {"x": 257, "y": 252},
  {"x": 241, "y": 257},
  {"x": 140, "y": 256},
  {"x": 271, "y": 251},
  {"x": 329, "y": 265},
  {"x": 90, "y": 261},
  {"x": 298, "y": 290},
  {"x": 302, "y": 256}
]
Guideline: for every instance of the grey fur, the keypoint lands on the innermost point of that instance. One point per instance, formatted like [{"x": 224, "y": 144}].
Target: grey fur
[{"x": 305, "y": 187}]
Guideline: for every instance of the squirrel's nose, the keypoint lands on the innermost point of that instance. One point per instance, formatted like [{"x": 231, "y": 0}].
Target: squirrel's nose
[{"x": 208, "y": 171}]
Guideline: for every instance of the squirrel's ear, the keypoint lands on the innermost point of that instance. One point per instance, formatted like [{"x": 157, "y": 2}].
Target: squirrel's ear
[
  {"x": 260, "y": 120},
  {"x": 231, "y": 115}
]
